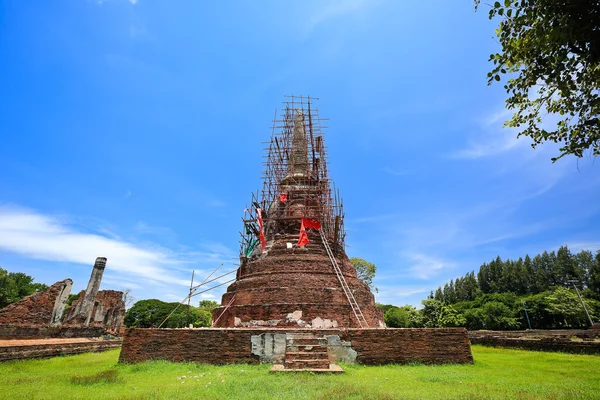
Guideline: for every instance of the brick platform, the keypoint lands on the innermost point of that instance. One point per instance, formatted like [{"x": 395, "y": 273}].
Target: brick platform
[
  {"x": 226, "y": 346},
  {"x": 24, "y": 349},
  {"x": 577, "y": 341}
]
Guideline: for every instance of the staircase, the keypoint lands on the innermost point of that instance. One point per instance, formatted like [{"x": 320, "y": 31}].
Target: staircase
[{"x": 306, "y": 353}]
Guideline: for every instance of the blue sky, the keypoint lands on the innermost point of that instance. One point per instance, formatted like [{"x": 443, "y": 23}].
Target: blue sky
[{"x": 133, "y": 130}]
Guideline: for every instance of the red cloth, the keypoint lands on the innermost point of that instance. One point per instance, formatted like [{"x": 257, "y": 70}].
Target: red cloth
[
  {"x": 283, "y": 198},
  {"x": 307, "y": 223},
  {"x": 261, "y": 235},
  {"x": 303, "y": 240},
  {"x": 311, "y": 223}
]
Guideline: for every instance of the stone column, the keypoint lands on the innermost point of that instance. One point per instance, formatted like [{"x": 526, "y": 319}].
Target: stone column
[{"x": 89, "y": 298}]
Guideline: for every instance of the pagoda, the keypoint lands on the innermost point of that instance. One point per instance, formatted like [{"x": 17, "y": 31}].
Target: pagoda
[{"x": 294, "y": 271}]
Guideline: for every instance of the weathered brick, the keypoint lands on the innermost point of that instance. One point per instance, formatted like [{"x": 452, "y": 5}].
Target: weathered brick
[{"x": 226, "y": 346}]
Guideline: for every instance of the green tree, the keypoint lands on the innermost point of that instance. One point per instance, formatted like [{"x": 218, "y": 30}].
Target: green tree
[
  {"x": 151, "y": 313},
  {"x": 594, "y": 276},
  {"x": 431, "y": 313},
  {"x": 208, "y": 305},
  {"x": 551, "y": 53},
  {"x": 365, "y": 271},
  {"x": 498, "y": 316},
  {"x": 450, "y": 317},
  {"x": 16, "y": 285},
  {"x": 402, "y": 317}
]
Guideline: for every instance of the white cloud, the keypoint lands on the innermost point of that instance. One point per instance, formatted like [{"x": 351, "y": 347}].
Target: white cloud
[
  {"x": 395, "y": 172},
  {"x": 491, "y": 139},
  {"x": 37, "y": 236},
  {"x": 426, "y": 267}
]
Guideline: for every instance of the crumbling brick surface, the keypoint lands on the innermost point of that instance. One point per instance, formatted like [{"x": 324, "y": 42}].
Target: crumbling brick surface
[
  {"x": 20, "y": 351},
  {"x": 38, "y": 309},
  {"x": 542, "y": 340},
  {"x": 37, "y": 332},
  {"x": 226, "y": 346},
  {"x": 285, "y": 280},
  {"x": 108, "y": 311}
]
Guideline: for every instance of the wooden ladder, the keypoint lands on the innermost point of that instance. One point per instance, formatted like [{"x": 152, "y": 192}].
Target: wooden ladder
[{"x": 362, "y": 321}]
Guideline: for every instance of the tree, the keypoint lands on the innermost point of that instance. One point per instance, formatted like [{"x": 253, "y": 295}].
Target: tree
[
  {"x": 151, "y": 313},
  {"x": 402, "y": 317},
  {"x": 551, "y": 51},
  {"x": 208, "y": 305},
  {"x": 365, "y": 271},
  {"x": 431, "y": 313},
  {"x": 16, "y": 285},
  {"x": 450, "y": 317},
  {"x": 128, "y": 299}
]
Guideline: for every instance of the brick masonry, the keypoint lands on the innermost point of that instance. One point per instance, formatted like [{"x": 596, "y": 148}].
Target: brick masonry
[
  {"x": 541, "y": 340},
  {"x": 38, "y": 332},
  {"x": 108, "y": 311},
  {"x": 280, "y": 281},
  {"x": 43, "y": 308},
  {"x": 21, "y": 352},
  {"x": 226, "y": 346}
]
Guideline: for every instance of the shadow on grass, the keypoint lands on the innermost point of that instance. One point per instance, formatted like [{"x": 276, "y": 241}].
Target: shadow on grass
[{"x": 108, "y": 376}]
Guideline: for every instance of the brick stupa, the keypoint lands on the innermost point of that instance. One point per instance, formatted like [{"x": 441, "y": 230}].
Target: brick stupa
[{"x": 282, "y": 283}]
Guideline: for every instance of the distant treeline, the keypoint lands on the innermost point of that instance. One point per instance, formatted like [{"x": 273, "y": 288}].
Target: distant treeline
[
  {"x": 527, "y": 276},
  {"x": 513, "y": 294}
]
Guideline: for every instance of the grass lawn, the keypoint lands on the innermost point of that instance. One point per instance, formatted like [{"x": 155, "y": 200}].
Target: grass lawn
[{"x": 496, "y": 374}]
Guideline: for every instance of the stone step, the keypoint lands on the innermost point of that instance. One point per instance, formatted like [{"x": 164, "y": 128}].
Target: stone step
[
  {"x": 306, "y": 348},
  {"x": 307, "y": 341},
  {"x": 333, "y": 369},
  {"x": 311, "y": 355},
  {"x": 306, "y": 364}
]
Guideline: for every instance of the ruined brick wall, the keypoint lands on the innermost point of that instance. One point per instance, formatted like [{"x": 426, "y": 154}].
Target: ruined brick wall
[
  {"x": 282, "y": 281},
  {"x": 225, "y": 346},
  {"x": 541, "y": 340},
  {"x": 108, "y": 311},
  {"x": 38, "y": 309},
  {"x": 22, "y": 352},
  {"x": 40, "y": 332}
]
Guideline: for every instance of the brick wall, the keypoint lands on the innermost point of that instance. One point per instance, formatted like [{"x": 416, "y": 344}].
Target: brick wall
[
  {"x": 52, "y": 350},
  {"x": 38, "y": 332},
  {"x": 37, "y": 309},
  {"x": 108, "y": 311},
  {"x": 542, "y": 340},
  {"x": 226, "y": 346}
]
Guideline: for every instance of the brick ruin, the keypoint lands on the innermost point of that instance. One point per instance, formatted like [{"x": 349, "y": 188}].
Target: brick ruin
[
  {"x": 287, "y": 277},
  {"x": 104, "y": 308},
  {"x": 296, "y": 300},
  {"x": 39, "y": 309},
  {"x": 43, "y": 314}
]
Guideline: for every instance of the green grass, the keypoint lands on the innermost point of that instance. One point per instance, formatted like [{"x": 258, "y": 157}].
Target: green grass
[{"x": 496, "y": 374}]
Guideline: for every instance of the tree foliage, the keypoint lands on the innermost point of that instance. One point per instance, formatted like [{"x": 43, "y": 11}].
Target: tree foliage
[
  {"x": 365, "y": 271},
  {"x": 16, "y": 285},
  {"x": 494, "y": 297},
  {"x": 402, "y": 317},
  {"x": 151, "y": 313},
  {"x": 208, "y": 305},
  {"x": 551, "y": 56}
]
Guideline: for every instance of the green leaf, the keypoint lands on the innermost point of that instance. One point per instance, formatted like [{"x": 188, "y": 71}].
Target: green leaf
[
  {"x": 509, "y": 13},
  {"x": 497, "y": 4},
  {"x": 497, "y": 77}
]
